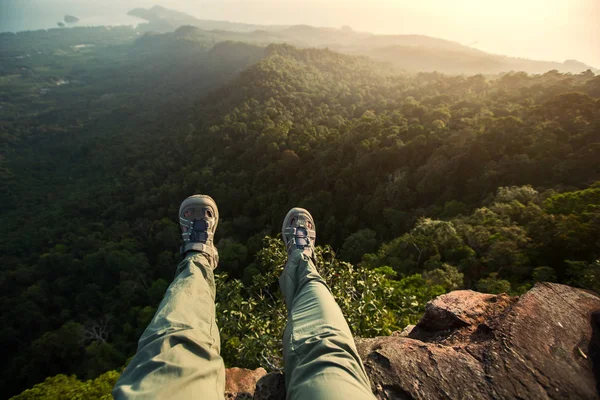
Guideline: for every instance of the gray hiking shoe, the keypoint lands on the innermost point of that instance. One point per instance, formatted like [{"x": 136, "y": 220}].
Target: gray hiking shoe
[
  {"x": 298, "y": 232},
  {"x": 198, "y": 218}
]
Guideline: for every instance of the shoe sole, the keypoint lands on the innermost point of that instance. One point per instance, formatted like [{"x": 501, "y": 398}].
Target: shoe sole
[
  {"x": 201, "y": 200},
  {"x": 290, "y": 214}
]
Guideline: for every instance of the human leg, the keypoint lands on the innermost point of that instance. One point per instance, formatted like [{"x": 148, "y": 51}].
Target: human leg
[
  {"x": 320, "y": 357},
  {"x": 179, "y": 352}
]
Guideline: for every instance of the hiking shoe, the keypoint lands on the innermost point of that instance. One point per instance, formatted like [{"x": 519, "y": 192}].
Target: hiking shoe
[
  {"x": 298, "y": 232},
  {"x": 198, "y": 218}
]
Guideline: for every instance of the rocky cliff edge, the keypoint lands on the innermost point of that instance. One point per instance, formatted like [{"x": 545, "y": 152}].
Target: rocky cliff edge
[{"x": 469, "y": 345}]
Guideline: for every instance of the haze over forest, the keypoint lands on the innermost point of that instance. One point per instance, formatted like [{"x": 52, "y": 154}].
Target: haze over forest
[
  {"x": 429, "y": 165},
  {"x": 553, "y": 30}
]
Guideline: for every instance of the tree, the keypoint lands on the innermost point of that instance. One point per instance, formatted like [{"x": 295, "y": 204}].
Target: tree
[
  {"x": 232, "y": 256},
  {"x": 584, "y": 274},
  {"x": 357, "y": 244},
  {"x": 447, "y": 277},
  {"x": 492, "y": 284},
  {"x": 544, "y": 274},
  {"x": 68, "y": 387}
]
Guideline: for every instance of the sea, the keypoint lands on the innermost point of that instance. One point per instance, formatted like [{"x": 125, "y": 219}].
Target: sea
[{"x": 23, "y": 15}]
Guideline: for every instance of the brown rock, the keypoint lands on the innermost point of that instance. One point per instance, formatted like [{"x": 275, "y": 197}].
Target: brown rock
[
  {"x": 271, "y": 387},
  {"x": 404, "y": 332},
  {"x": 462, "y": 308},
  {"x": 240, "y": 383},
  {"x": 541, "y": 346}
]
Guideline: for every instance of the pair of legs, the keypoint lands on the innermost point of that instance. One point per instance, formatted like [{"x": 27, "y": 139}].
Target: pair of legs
[{"x": 178, "y": 353}]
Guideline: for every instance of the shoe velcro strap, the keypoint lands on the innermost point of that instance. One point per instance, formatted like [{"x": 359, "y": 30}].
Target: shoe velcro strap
[
  {"x": 201, "y": 247},
  {"x": 311, "y": 233},
  {"x": 210, "y": 251}
]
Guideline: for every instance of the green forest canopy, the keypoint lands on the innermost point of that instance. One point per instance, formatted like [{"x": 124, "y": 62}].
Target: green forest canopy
[{"x": 419, "y": 183}]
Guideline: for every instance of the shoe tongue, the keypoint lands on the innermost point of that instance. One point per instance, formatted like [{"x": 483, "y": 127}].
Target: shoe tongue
[
  {"x": 199, "y": 232},
  {"x": 301, "y": 237}
]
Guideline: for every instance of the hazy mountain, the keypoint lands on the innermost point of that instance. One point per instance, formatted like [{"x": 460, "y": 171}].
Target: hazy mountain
[
  {"x": 414, "y": 53},
  {"x": 422, "y": 58},
  {"x": 70, "y": 19},
  {"x": 163, "y": 19}
]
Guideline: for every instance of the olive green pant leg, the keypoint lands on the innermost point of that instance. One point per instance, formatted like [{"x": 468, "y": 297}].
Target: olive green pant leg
[
  {"x": 320, "y": 357},
  {"x": 178, "y": 355}
]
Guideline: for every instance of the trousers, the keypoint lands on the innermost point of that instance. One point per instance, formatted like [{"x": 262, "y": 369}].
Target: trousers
[{"x": 178, "y": 354}]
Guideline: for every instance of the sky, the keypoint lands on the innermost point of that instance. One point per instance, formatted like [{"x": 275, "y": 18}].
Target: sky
[{"x": 554, "y": 30}]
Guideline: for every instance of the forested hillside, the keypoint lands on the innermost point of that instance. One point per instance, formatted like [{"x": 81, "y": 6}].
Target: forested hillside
[{"x": 419, "y": 184}]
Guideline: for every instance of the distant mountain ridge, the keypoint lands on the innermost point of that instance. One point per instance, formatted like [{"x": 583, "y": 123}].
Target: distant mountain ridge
[
  {"x": 161, "y": 18},
  {"x": 413, "y": 53}
]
